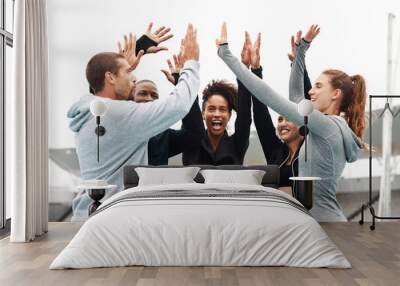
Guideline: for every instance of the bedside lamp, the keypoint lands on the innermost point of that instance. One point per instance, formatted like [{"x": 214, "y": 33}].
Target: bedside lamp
[
  {"x": 98, "y": 108},
  {"x": 96, "y": 190}
]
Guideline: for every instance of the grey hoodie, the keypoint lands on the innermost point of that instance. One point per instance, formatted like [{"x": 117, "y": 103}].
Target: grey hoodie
[
  {"x": 331, "y": 141},
  {"x": 129, "y": 126}
]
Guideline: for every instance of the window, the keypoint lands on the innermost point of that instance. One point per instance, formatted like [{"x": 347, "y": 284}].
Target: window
[
  {"x": 6, "y": 44},
  {"x": 9, "y": 17}
]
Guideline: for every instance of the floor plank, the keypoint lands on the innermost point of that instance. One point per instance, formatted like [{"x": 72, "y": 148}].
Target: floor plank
[{"x": 374, "y": 255}]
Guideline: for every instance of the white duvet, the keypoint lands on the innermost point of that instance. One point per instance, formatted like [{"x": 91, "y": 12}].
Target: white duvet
[{"x": 188, "y": 231}]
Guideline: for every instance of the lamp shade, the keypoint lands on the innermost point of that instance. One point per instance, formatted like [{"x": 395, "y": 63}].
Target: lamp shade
[
  {"x": 305, "y": 107},
  {"x": 98, "y": 107}
]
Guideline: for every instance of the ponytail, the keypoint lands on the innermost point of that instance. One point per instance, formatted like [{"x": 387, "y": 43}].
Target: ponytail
[
  {"x": 354, "y": 97},
  {"x": 355, "y": 113}
]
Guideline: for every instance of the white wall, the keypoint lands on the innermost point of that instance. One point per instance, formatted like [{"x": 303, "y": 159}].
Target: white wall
[{"x": 353, "y": 38}]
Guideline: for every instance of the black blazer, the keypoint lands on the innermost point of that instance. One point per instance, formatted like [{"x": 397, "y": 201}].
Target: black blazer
[
  {"x": 173, "y": 142},
  {"x": 231, "y": 149}
]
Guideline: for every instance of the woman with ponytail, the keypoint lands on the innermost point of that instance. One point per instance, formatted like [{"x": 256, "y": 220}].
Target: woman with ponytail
[{"x": 335, "y": 126}]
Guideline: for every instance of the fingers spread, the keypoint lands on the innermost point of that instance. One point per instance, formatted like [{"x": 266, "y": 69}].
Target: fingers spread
[
  {"x": 257, "y": 44},
  {"x": 182, "y": 47},
  {"x": 140, "y": 54},
  {"x": 138, "y": 57},
  {"x": 161, "y": 48},
  {"x": 165, "y": 38},
  {"x": 189, "y": 30},
  {"x": 317, "y": 30},
  {"x": 223, "y": 36},
  {"x": 247, "y": 39},
  {"x": 167, "y": 74},
  {"x": 149, "y": 27},
  {"x": 125, "y": 42},
  {"x": 224, "y": 31},
  {"x": 170, "y": 65},
  {"x": 163, "y": 32},
  {"x": 159, "y": 30},
  {"x": 298, "y": 37},
  {"x": 176, "y": 62},
  {"x": 133, "y": 42}
]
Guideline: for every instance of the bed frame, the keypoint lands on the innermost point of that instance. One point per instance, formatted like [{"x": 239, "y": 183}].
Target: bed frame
[{"x": 270, "y": 179}]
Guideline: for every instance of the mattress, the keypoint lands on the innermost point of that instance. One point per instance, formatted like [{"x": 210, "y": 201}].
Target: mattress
[{"x": 201, "y": 225}]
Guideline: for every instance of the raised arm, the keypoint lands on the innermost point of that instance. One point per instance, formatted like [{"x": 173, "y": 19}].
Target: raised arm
[
  {"x": 307, "y": 84},
  {"x": 318, "y": 122},
  {"x": 148, "y": 43},
  {"x": 265, "y": 127},
  {"x": 262, "y": 118},
  {"x": 192, "y": 130},
  {"x": 298, "y": 75},
  {"x": 154, "y": 117},
  {"x": 190, "y": 134},
  {"x": 174, "y": 67},
  {"x": 243, "y": 118},
  {"x": 291, "y": 56},
  {"x": 129, "y": 50}
]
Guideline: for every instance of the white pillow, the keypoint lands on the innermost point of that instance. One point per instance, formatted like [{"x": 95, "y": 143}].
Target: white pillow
[
  {"x": 248, "y": 177},
  {"x": 166, "y": 176}
]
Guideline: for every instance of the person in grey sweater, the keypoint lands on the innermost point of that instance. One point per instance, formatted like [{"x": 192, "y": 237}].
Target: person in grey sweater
[
  {"x": 334, "y": 139},
  {"x": 129, "y": 125}
]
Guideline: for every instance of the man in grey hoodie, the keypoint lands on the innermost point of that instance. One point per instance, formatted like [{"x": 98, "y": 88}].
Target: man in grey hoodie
[{"x": 129, "y": 125}]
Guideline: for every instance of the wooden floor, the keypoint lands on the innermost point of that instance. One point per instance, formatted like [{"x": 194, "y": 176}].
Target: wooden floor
[{"x": 374, "y": 255}]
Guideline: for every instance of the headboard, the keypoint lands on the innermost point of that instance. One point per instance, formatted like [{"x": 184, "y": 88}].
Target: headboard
[{"x": 270, "y": 179}]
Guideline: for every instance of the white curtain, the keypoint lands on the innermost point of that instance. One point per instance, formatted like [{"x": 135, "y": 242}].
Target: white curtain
[{"x": 28, "y": 149}]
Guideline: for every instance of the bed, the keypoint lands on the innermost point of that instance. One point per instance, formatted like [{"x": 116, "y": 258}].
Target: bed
[{"x": 201, "y": 224}]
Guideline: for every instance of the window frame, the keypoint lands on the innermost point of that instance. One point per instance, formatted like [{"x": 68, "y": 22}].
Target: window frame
[{"x": 6, "y": 39}]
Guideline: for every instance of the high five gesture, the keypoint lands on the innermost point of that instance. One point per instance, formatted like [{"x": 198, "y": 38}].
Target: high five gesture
[
  {"x": 159, "y": 36},
  {"x": 251, "y": 53},
  {"x": 190, "y": 50},
  {"x": 312, "y": 32},
  {"x": 129, "y": 50},
  {"x": 223, "y": 38}
]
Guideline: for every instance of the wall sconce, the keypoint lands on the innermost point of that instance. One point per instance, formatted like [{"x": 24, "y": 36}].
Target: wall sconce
[
  {"x": 98, "y": 108},
  {"x": 303, "y": 186}
]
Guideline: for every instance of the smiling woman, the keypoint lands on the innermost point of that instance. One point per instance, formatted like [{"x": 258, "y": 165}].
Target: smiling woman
[
  {"x": 333, "y": 137},
  {"x": 217, "y": 147},
  {"x": 219, "y": 99}
]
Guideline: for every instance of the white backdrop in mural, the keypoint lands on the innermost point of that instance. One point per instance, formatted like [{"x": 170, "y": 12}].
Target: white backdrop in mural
[{"x": 353, "y": 38}]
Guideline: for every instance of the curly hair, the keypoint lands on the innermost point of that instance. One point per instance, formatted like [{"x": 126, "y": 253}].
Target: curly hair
[{"x": 223, "y": 88}]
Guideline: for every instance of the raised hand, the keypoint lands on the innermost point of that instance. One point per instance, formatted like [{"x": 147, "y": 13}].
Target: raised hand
[
  {"x": 298, "y": 37},
  {"x": 293, "y": 44},
  {"x": 128, "y": 51},
  {"x": 173, "y": 68},
  {"x": 255, "y": 53},
  {"x": 246, "y": 51},
  {"x": 190, "y": 47},
  {"x": 312, "y": 32},
  {"x": 223, "y": 38},
  {"x": 159, "y": 36}
]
